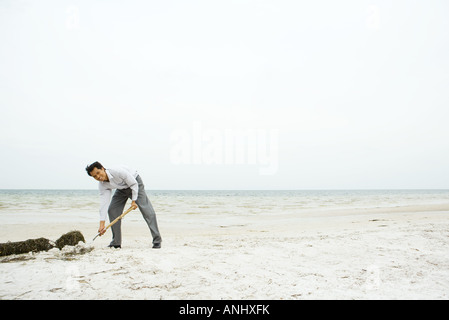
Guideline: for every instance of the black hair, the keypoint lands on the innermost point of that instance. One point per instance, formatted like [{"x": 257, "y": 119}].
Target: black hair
[{"x": 91, "y": 167}]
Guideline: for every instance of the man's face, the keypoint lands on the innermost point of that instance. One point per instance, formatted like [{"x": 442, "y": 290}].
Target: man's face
[{"x": 99, "y": 174}]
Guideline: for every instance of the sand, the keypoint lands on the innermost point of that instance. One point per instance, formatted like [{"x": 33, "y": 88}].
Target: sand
[{"x": 381, "y": 253}]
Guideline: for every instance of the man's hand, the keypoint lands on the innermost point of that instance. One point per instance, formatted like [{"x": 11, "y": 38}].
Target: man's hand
[
  {"x": 101, "y": 229},
  {"x": 134, "y": 205}
]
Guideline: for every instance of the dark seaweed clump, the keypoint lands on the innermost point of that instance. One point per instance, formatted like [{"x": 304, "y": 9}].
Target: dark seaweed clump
[
  {"x": 30, "y": 245},
  {"x": 34, "y": 245},
  {"x": 70, "y": 239}
]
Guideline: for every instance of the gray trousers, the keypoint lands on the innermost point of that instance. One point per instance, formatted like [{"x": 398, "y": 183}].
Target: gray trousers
[{"x": 118, "y": 204}]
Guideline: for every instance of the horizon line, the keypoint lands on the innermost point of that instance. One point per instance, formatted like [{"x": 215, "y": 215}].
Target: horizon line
[{"x": 302, "y": 189}]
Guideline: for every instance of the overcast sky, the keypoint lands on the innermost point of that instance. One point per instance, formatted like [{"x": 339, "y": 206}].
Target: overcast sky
[{"x": 247, "y": 94}]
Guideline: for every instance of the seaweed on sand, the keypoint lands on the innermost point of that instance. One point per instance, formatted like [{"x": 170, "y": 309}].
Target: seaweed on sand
[
  {"x": 30, "y": 245},
  {"x": 71, "y": 238}
]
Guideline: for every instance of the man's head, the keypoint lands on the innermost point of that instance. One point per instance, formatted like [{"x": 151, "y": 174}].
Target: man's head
[{"x": 97, "y": 171}]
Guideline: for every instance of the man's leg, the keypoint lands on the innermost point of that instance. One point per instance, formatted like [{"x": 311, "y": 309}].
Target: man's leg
[
  {"x": 118, "y": 202},
  {"x": 147, "y": 211}
]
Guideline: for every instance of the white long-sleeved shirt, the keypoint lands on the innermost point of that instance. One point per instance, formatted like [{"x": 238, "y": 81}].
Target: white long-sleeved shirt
[{"x": 120, "y": 177}]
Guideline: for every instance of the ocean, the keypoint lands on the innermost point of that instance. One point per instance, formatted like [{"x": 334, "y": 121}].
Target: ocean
[{"x": 19, "y": 206}]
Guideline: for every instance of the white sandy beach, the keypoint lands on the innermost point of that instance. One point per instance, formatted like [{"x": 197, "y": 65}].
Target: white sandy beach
[{"x": 380, "y": 253}]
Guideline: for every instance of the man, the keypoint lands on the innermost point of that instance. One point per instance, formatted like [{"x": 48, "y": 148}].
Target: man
[{"x": 129, "y": 185}]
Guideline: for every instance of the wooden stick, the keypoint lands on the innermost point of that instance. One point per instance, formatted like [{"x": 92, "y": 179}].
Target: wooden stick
[{"x": 115, "y": 220}]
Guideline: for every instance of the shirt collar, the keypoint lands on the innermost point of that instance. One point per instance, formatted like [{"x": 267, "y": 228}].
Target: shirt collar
[{"x": 109, "y": 174}]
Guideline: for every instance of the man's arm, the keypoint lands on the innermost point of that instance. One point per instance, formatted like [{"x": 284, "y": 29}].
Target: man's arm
[
  {"x": 105, "y": 200},
  {"x": 132, "y": 183}
]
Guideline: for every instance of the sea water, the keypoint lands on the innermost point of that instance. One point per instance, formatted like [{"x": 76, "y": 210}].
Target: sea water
[{"x": 18, "y": 206}]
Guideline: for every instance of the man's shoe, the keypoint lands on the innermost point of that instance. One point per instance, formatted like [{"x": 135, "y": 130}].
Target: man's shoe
[
  {"x": 156, "y": 246},
  {"x": 116, "y": 247}
]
